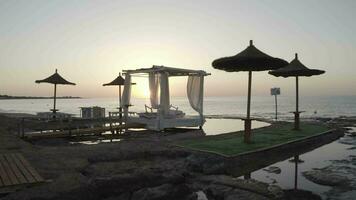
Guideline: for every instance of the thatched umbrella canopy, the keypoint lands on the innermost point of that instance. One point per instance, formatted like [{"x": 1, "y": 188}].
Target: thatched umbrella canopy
[
  {"x": 296, "y": 69},
  {"x": 55, "y": 79},
  {"x": 251, "y": 59},
  {"x": 117, "y": 81}
]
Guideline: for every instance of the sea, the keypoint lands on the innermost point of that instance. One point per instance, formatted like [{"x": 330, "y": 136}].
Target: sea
[
  {"x": 261, "y": 106},
  {"x": 230, "y": 107}
]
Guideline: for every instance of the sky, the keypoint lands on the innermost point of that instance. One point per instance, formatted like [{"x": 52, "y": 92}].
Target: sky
[{"x": 90, "y": 42}]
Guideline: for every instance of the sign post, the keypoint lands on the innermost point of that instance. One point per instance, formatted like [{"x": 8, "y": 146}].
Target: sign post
[{"x": 275, "y": 92}]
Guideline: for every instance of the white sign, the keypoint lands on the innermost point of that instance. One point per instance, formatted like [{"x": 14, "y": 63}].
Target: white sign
[{"x": 275, "y": 91}]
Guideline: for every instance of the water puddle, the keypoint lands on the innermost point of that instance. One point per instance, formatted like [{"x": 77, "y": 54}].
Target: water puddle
[{"x": 92, "y": 142}]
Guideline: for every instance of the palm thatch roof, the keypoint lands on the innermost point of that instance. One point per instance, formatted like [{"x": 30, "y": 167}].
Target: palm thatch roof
[
  {"x": 295, "y": 68},
  {"x": 250, "y": 59},
  {"x": 55, "y": 79},
  {"x": 117, "y": 81}
]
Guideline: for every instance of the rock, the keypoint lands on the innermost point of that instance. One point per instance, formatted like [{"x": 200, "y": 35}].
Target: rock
[
  {"x": 350, "y": 161},
  {"x": 300, "y": 194},
  {"x": 206, "y": 164},
  {"x": 51, "y": 142},
  {"x": 347, "y": 140},
  {"x": 340, "y": 193},
  {"x": 277, "y": 192},
  {"x": 244, "y": 195},
  {"x": 146, "y": 152},
  {"x": 114, "y": 168},
  {"x": 165, "y": 191},
  {"x": 326, "y": 177},
  {"x": 124, "y": 196},
  {"x": 68, "y": 182},
  {"x": 118, "y": 184},
  {"x": 216, "y": 179},
  {"x": 201, "y": 195},
  {"x": 250, "y": 185},
  {"x": 343, "y": 161},
  {"x": 221, "y": 185},
  {"x": 273, "y": 169},
  {"x": 217, "y": 192},
  {"x": 353, "y": 160}
]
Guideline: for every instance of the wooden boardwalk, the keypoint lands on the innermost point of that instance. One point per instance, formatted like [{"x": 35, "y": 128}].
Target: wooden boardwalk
[
  {"x": 31, "y": 128},
  {"x": 79, "y": 132},
  {"x": 15, "y": 170}
]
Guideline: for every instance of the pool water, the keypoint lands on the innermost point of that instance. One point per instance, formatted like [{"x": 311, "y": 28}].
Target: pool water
[
  {"x": 220, "y": 126},
  {"x": 211, "y": 127}
]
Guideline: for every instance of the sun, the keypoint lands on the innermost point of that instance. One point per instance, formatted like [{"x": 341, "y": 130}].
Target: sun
[
  {"x": 146, "y": 92},
  {"x": 141, "y": 88}
]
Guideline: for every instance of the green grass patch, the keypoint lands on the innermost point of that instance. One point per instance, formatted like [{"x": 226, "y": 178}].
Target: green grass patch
[{"x": 232, "y": 143}]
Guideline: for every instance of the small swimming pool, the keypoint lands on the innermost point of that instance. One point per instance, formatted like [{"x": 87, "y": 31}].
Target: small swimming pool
[
  {"x": 212, "y": 126},
  {"x": 219, "y": 126}
]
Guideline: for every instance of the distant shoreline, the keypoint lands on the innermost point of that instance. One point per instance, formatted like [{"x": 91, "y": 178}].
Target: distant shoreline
[{"x": 7, "y": 97}]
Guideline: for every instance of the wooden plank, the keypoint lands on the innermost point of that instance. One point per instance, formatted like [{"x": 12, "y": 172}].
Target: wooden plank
[
  {"x": 8, "y": 171},
  {"x": 4, "y": 177},
  {"x": 33, "y": 172},
  {"x": 20, "y": 177},
  {"x": 22, "y": 168}
]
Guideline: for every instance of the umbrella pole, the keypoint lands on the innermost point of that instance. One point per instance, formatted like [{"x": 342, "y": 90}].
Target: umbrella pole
[
  {"x": 296, "y": 160},
  {"x": 120, "y": 109},
  {"x": 249, "y": 94},
  {"x": 247, "y": 137},
  {"x": 119, "y": 96},
  {"x": 275, "y": 100},
  {"x": 54, "y": 101},
  {"x": 296, "y": 114}
]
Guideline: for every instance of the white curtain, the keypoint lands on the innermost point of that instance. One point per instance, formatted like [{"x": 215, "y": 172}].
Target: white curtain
[
  {"x": 153, "y": 82},
  {"x": 126, "y": 96},
  {"x": 164, "y": 97},
  {"x": 195, "y": 92}
]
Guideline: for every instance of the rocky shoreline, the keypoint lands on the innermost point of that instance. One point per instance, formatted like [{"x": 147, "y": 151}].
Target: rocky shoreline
[{"x": 132, "y": 169}]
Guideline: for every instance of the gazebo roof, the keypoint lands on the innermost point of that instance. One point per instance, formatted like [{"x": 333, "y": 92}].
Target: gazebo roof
[{"x": 170, "y": 70}]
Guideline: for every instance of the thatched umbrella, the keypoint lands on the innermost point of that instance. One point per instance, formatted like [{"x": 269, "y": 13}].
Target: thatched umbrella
[
  {"x": 55, "y": 79},
  {"x": 119, "y": 81},
  {"x": 296, "y": 69},
  {"x": 251, "y": 59}
]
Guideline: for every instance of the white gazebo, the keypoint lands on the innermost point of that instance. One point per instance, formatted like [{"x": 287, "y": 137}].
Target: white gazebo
[{"x": 162, "y": 114}]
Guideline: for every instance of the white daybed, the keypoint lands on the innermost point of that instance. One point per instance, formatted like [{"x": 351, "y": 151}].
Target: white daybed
[{"x": 162, "y": 114}]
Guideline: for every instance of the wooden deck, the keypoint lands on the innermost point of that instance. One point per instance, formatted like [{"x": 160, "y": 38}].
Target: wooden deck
[
  {"x": 78, "y": 132},
  {"x": 32, "y": 128},
  {"x": 15, "y": 170}
]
